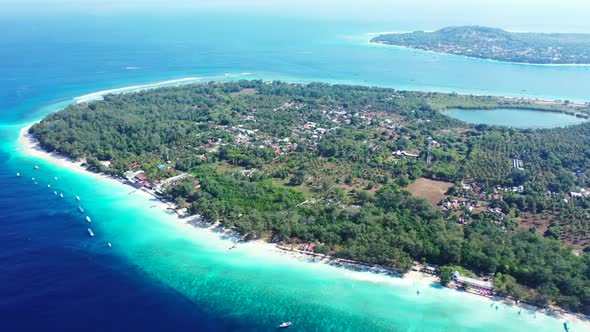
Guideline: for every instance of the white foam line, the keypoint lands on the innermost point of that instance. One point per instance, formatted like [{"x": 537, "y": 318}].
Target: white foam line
[
  {"x": 100, "y": 94},
  {"x": 134, "y": 88}
]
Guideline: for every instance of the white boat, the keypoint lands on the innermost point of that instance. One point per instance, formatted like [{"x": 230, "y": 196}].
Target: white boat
[
  {"x": 17, "y": 174},
  {"x": 55, "y": 193},
  {"x": 33, "y": 179},
  {"x": 48, "y": 186},
  {"x": 90, "y": 232},
  {"x": 88, "y": 219},
  {"x": 81, "y": 209},
  {"x": 36, "y": 167},
  {"x": 77, "y": 198},
  {"x": 109, "y": 244},
  {"x": 55, "y": 178},
  {"x": 285, "y": 325},
  {"x": 61, "y": 195}
]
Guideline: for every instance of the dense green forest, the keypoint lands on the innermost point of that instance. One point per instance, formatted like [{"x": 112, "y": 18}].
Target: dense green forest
[
  {"x": 497, "y": 44},
  {"x": 329, "y": 163}
]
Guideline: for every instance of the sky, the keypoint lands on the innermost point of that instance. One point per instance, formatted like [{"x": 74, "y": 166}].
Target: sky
[{"x": 532, "y": 15}]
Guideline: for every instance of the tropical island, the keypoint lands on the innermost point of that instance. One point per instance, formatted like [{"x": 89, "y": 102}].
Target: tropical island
[
  {"x": 368, "y": 174},
  {"x": 497, "y": 44}
]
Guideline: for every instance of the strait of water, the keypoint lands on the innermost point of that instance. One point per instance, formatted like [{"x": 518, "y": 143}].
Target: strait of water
[{"x": 161, "y": 274}]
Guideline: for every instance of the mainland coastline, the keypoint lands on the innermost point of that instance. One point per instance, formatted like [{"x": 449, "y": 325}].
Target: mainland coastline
[{"x": 30, "y": 147}]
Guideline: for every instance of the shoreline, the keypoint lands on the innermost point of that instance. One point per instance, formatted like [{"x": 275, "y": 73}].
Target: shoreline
[
  {"x": 191, "y": 80},
  {"x": 371, "y": 42},
  {"x": 29, "y": 146},
  {"x": 98, "y": 95}
]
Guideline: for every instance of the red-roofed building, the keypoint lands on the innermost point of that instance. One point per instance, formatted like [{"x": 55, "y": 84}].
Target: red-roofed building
[{"x": 141, "y": 177}]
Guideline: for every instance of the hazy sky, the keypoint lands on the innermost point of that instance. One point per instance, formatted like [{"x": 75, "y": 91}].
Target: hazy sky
[{"x": 541, "y": 15}]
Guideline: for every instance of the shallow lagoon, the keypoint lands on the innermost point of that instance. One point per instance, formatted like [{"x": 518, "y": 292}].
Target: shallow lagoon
[{"x": 516, "y": 118}]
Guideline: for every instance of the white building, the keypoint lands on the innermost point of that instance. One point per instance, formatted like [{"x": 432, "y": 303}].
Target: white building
[{"x": 472, "y": 282}]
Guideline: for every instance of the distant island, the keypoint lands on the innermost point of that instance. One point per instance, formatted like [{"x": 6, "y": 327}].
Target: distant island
[{"x": 497, "y": 44}]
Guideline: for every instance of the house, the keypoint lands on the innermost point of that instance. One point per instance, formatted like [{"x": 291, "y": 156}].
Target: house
[
  {"x": 405, "y": 153},
  {"x": 430, "y": 269},
  {"x": 246, "y": 172},
  {"x": 141, "y": 177},
  {"x": 175, "y": 179},
  {"x": 472, "y": 282},
  {"x": 518, "y": 164}
]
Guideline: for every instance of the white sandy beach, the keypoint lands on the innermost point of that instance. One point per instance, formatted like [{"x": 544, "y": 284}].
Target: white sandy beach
[{"x": 30, "y": 146}]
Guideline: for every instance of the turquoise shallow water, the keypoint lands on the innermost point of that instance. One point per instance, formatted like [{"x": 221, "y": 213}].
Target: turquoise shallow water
[
  {"x": 185, "y": 269},
  {"x": 515, "y": 118}
]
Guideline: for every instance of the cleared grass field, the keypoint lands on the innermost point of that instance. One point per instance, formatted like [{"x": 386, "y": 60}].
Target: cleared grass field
[{"x": 433, "y": 191}]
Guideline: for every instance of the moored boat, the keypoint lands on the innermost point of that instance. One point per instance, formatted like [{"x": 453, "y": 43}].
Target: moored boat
[
  {"x": 77, "y": 198},
  {"x": 36, "y": 167},
  {"x": 88, "y": 219},
  {"x": 61, "y": 195},
  {"x": 285, "y": 325},
  {"x": 90, "y": 232},
  {"x": 17, "y": 174},
  {"x": 80, "y": 209},
  {"x": 109, "y": 244}
]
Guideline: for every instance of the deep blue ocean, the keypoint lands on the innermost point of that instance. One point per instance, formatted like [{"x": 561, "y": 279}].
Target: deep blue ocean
[
  {"x": 51, "y": 280},
  {"x": 51, "y": 277}
]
